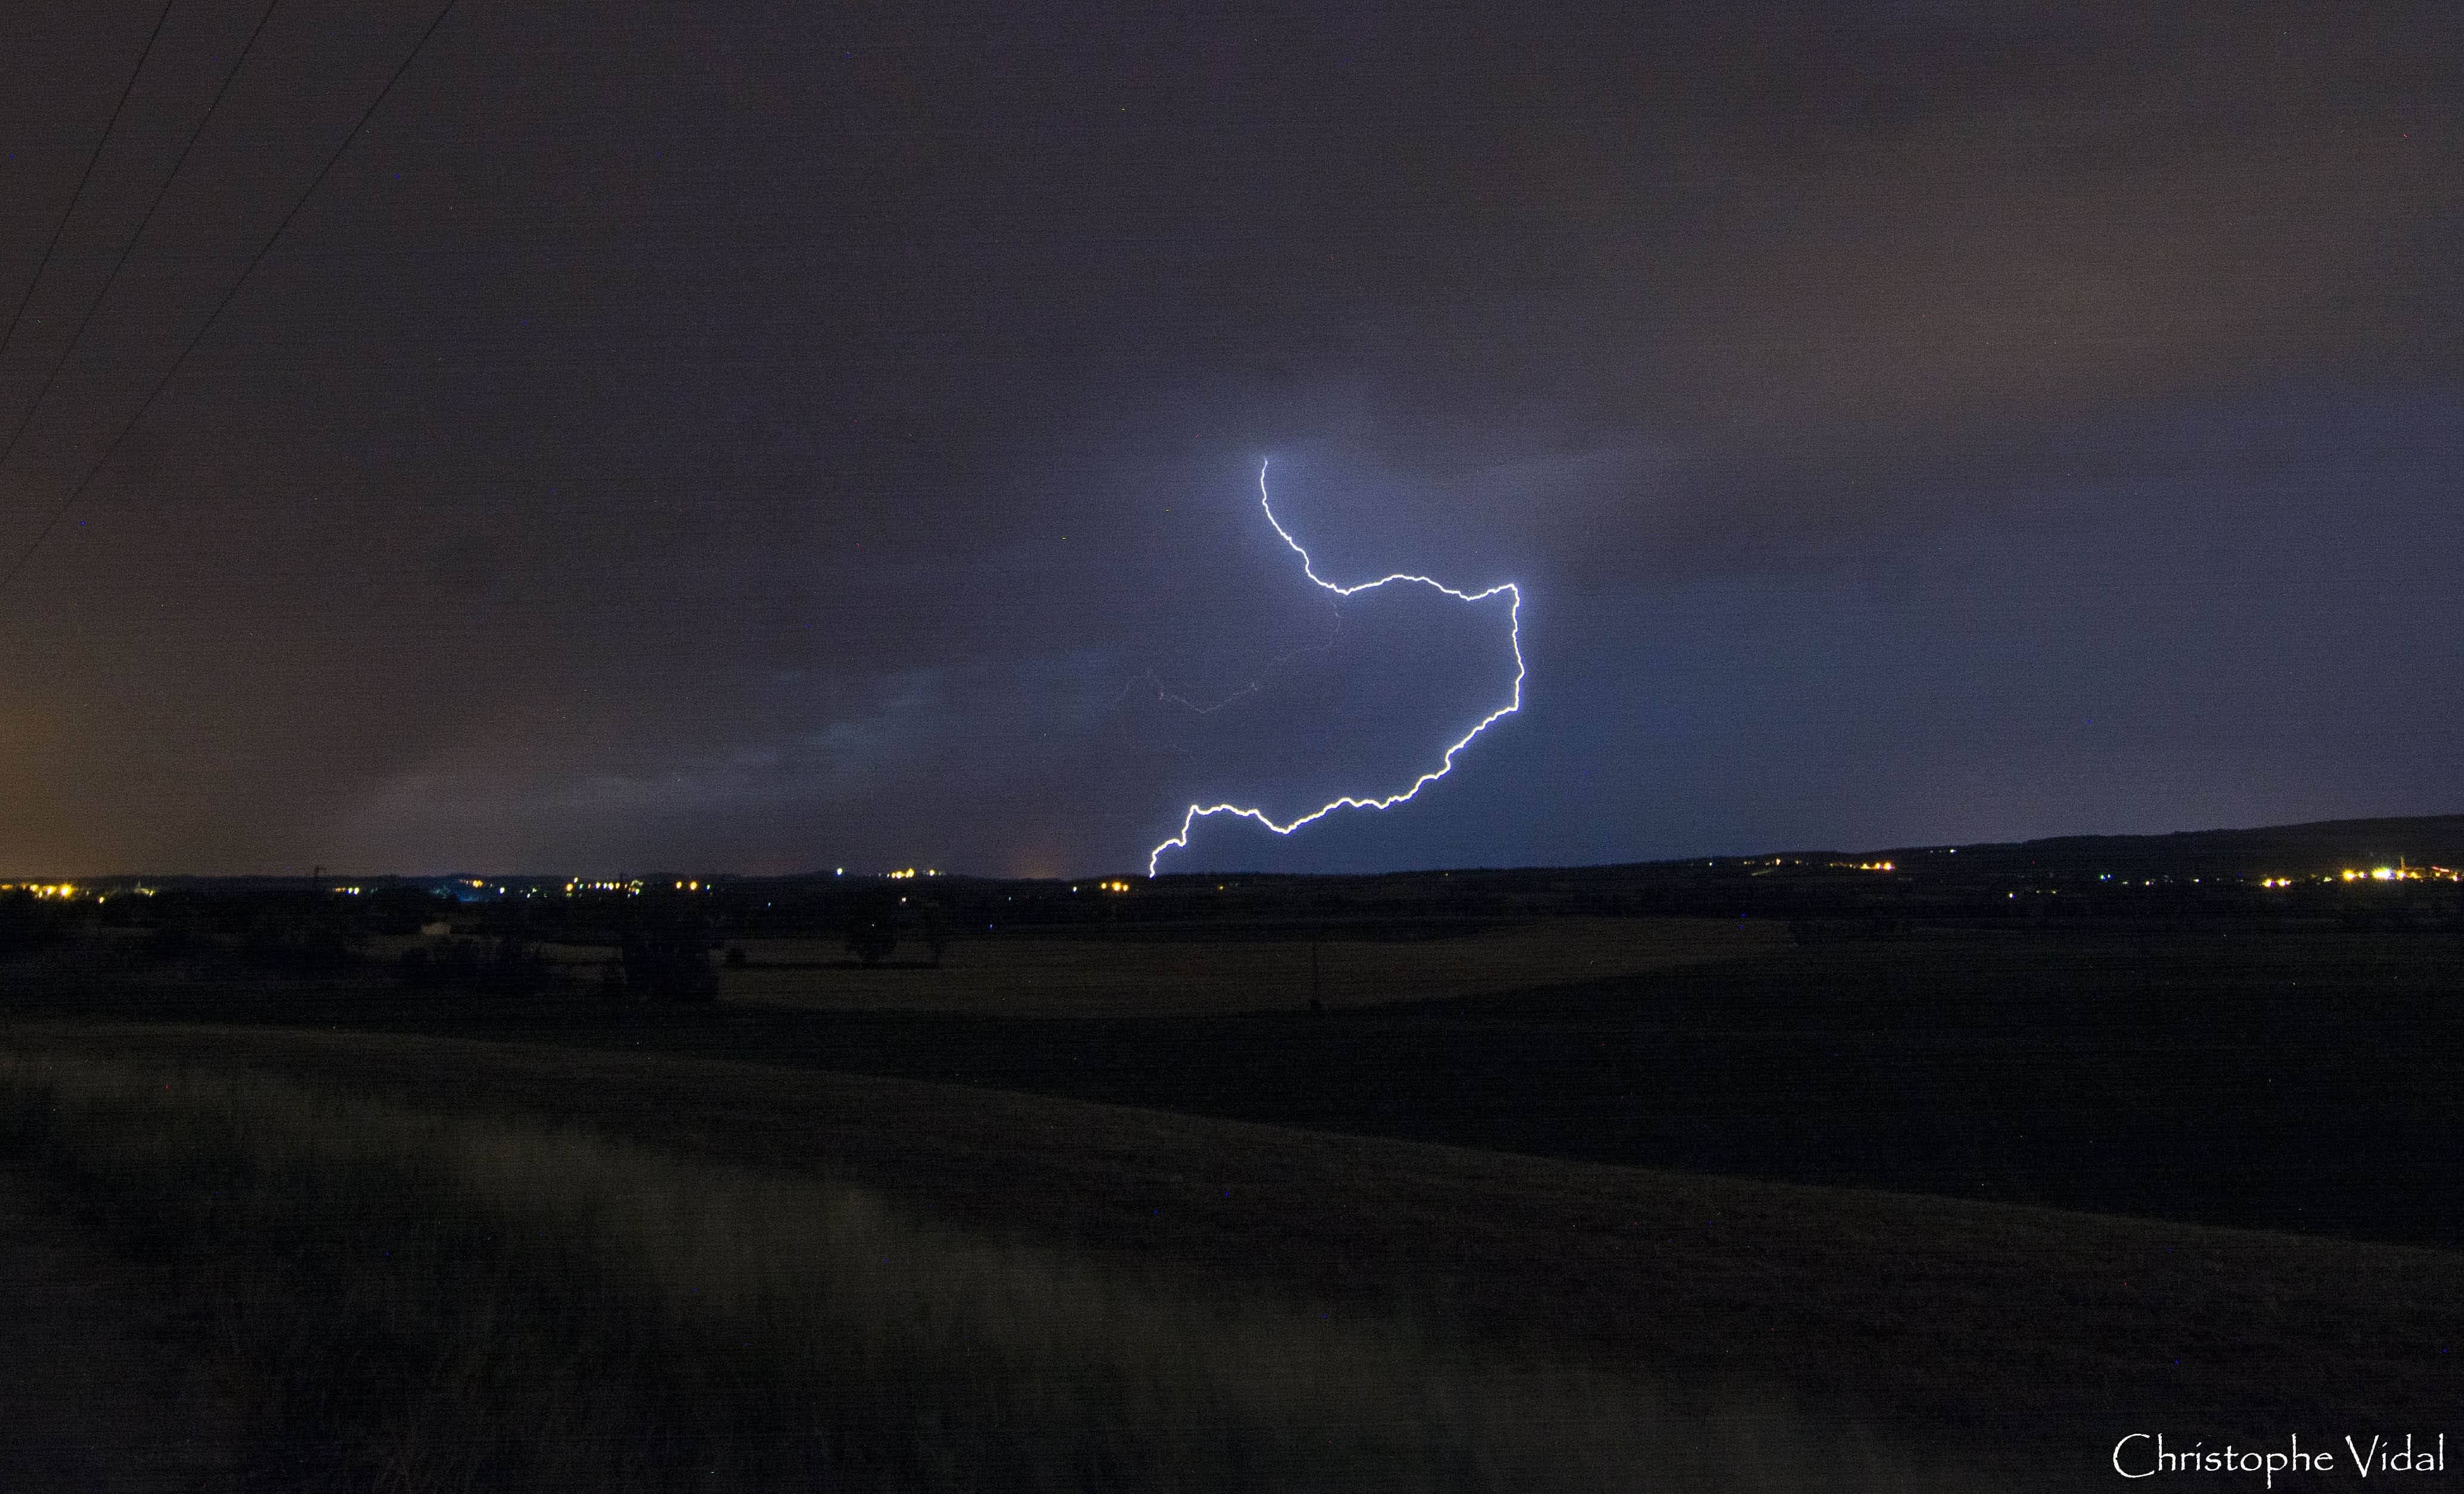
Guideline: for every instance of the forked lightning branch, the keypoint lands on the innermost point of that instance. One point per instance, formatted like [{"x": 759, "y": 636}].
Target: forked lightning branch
[{"x": 1445, "y": 763}]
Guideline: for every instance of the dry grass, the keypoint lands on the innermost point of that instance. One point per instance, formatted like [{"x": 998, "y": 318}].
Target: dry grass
[
  {"x": 1148, "y": 977},
  {"x": 421, "y": 1301},
  {"x": 2056, "y": 1330}
]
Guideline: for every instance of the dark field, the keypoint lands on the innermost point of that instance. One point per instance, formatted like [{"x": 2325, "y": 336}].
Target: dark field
[
  {"x": 2263, "y": 1076},
  {"x": 1199, "y": 970},
  {"x": 1838, "y": 1195}
]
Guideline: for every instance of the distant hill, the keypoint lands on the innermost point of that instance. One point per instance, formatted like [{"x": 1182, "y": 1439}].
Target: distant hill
[{"x": 2319, "y": 845}]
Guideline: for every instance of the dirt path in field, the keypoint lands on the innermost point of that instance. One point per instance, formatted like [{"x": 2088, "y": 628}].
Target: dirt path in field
[
  {"x": 96, "y": 1394},
  {"x": 1096, "y": 977}
]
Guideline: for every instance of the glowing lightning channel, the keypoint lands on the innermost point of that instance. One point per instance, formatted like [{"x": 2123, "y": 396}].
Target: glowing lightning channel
[{"x": 1445, "y": 765}]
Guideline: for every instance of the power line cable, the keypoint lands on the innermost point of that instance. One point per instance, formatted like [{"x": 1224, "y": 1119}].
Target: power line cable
[
  {"x": 163, "y": 382},
  {"x": 84, "y": 176},
  {"x": 125, "y": 250}
]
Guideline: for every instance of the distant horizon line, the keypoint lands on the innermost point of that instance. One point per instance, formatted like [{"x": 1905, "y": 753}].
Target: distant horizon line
[{"x": 467, "y": 875}]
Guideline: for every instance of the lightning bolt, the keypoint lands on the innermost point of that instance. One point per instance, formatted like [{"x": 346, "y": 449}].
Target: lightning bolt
[{"x": 1445, "y": 764}]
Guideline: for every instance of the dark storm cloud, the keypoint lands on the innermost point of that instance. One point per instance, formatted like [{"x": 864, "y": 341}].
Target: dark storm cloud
[{"x": 769, "y": 437}]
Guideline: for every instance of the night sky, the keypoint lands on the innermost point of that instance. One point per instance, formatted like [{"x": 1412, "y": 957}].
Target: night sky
[{"x": 771, "y": 437}]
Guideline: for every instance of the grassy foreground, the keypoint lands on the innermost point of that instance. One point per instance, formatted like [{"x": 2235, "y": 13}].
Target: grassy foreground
[{"x": 415, "y": 1301}]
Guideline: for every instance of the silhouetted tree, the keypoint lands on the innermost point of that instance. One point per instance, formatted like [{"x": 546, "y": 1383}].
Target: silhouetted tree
[
  {"x": 401, "y": 910},
  {"x": 873, "y": 924},
  {"x": 312, "y": 934},
  {"x": 665, "y": 951},
  {"x": 508, "y": 967}
]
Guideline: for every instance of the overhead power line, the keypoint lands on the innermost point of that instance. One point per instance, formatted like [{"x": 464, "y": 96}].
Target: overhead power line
[
  {"x": 125, "y": 250},
  {"x": 270, "y": 239},
  {"x": 84, "y": 176}
]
